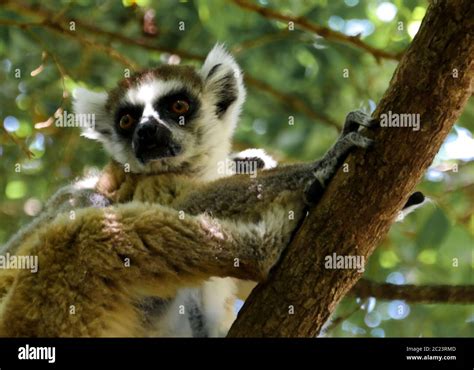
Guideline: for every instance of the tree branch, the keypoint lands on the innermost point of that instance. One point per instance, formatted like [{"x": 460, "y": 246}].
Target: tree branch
[
  {"x": 324, "y": 32},
  {"x": 45, "y": 14},
  {"x": 291, "y": 101},
  {"x": 19, "y": 143},
  {"x": 461, "y": 294},
  {"x": 56, "y": 27},
  {"x": 432, "y": 82}
]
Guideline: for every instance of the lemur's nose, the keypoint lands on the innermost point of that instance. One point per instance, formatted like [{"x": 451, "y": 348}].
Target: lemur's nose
[
  {"x": 147, "y": 130},
  {"x": 152, "y": 134},
  {"x": 153, "y": 140}
]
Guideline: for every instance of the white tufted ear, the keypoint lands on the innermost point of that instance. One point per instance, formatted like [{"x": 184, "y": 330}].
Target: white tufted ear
[
  {"x": 90, "y": 113},
  {"x": 223, "y": 80}
]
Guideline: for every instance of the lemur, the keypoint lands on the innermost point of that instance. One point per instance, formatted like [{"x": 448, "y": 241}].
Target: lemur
[{"x": 157, "y": 237}]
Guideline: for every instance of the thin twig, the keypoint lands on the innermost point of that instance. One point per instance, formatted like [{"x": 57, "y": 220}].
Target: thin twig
[
  {"x": 291, "y": 101},
  {"x": 258, "y": 42},
  {"x": 62, "y": 72},
  {"x": 334, "y": 323},
  {"x": 19, "y": 143},
  {"x": 460, "y": 294},
  {"x": 324, "y": 32},
  {"x": 43, "y": 13},
  {"x": 74, "y": 35}
]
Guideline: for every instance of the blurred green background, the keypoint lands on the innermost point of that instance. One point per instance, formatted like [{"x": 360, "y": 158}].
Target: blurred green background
[{"x": 289, "y": 74}]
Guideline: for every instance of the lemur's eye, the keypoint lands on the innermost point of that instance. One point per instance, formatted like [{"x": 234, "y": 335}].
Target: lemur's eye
[
  {"x": 180, "y": 107},
  {"x": 126, "y": 122}
]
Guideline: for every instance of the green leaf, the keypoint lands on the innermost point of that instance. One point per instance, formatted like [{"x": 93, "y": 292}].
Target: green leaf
[
  {"x": 434, "y": 230},
  {"x": 15, "y": 190}
]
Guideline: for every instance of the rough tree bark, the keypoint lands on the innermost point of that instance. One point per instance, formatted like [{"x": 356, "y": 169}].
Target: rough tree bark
[{"x": 434, "y": 79}]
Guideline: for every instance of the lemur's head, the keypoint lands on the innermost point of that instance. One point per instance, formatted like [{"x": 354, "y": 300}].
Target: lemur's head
[{"x": 171, "y": 118}]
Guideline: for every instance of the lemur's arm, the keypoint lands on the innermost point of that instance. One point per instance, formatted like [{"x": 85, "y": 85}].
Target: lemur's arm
[
  {"x": 244, "y": 197},
  {"x": 287, "y": 187},
  {"x": 159, "y": 243}
]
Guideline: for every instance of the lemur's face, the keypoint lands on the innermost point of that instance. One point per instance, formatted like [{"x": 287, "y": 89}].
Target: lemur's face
[
  {"x": 158, "y": 116},
  {"x": 172, "y": 118}
]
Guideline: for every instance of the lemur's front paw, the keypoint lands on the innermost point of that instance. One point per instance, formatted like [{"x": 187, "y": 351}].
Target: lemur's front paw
[
  {"x": 357, "y": 119},
  {"x": 325, "y": 169},
  {"x": 350, "y": 132}
]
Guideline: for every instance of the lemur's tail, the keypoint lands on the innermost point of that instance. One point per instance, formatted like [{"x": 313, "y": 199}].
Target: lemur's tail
[{"x": 416, "y": 200}]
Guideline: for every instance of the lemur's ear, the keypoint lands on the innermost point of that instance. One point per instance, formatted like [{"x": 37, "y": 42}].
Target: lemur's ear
[
  {"x": 91, "y": 114},
  {"x": 223, "y": 80}
]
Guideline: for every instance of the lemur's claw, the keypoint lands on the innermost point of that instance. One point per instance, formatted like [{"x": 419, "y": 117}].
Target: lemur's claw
[
  {"x": 359, "y": 140},
  {"x": 366, "y": 142},
  {"x": 357, "y": 119}
]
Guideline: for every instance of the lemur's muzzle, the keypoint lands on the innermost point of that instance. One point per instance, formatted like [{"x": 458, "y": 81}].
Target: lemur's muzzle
[{"x": 153, "y": 140}]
